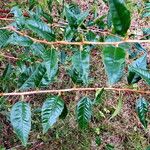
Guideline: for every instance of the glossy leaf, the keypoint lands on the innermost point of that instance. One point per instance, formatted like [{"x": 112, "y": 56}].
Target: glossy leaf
[
  {"x": 114, "y": 62},
  {"x": 50, "y": 5},
  {"x": 118, "y": 108},
  {"x": 80, "y": 67},
  {"x": 37, "y": 49},
  {"x": 120, "y": 16},
  {"x": 4, "y": 36},
  {"x": 32, "y": 3},
  {"x": 20, "y": 117},
  {"x": 16, "y": 39},
  {"x": 139, "y": 47},
  {"x": 64, "y": 112},
  {"x": 19, "y": 18},
  {"x": 69, "y": 33},
  {"x": 98, "y": 96},
  {"x": 41, "y": 29},
  {"x": 5, "y": 78},
  {"x": 51, "y": 110},
  {"x": 75, "y": 20},
  {"x": 146, "y": 12},
  {"x": 44, "y": 73},
  {"x": 84, "y": 112},
  {"x": 142, "y": 110},
  {"x": 143, "y": 73},
  {"x": 139, "y": 63}
]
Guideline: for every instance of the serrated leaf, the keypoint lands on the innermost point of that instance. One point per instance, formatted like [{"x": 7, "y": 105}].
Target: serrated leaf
[
  {"x": 41, "y": 29},
  {"x": 74, "y": 8},
  {"x": 32, "y": 3},
  {"x": 20, "y": 117},
  {"x": 91, "y": 36},
  {"x": 84, "y": 112},
  {"x": 109, "y": 19},
  {"x": 120, "y": 16},
  {"x": 118, "y": 108},
  {"x": 37, "y": 49},
  {"x": 51, "y": 110},
  {"x": 18, "y": 15},
  {"x": 81, "y": 17},
  {"x": 142, "y": 109},
  {"x": 114, "y": 62},
  {"x": 69, "y": 33},
  {"x": 143, "y": 73},
  {"x": 146, "y": 11},
  {"x": 44, "y": 73},
  {"x": 4, "y": 36},
  {"x": 6, "y": 77},
  {"x": 139, "y": 63},
  {"x": 7, "y": 72},
  {"x": 98, "y": 95},
  {"x": 64, "y": 112},
  {"x": 80, "y": 67},
  {"x": 71, "y": 18},
  {"x": 75, "y": 20},
  {"x": 50, "y": 5},
  {"x": 16, "y": 39},
  {"x": 139, "y": 47}
]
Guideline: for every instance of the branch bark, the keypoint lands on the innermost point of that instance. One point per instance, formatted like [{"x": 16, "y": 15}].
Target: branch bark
[
  {"x": 73, "y": 89},
  {"x": 76, "y": 43}
]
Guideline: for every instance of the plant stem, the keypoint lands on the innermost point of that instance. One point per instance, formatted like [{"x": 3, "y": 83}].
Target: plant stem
[{"x": 74, "y": 89}]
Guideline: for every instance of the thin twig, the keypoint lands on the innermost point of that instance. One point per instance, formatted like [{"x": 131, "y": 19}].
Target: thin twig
[
  {"x": 6, "y": 56},
  {"x": 77, "y": 43},
  {"x": 73, "y": 89}
]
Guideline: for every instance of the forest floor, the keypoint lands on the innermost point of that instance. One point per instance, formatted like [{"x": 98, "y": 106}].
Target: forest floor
[{"x": 124, "y": 132}]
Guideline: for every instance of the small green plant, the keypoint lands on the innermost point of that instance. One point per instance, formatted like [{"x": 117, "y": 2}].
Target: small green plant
[{"x": 38, "y": 64}]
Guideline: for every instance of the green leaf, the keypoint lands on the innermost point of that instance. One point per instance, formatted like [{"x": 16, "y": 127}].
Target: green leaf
[
  {"x": 139, "y": 47},
  {"x": 109, "y": 147},
  {"x": 37, "y": 49},
  {"x": 109, "y": 19},
  {"x": 44, "y": 73},
  {"x": 148, "y": 148},
  {"x": 64, "y": 112},
  {"x": 146, "y": 12},
  {"x": 50, "y": 5},
  {"x": 84, "y": 112},
  {"x": 80, "y": 67},
  {"x": 71, "y": 18},
  {"x": 139, "y": 63},
  {"x": 75, "y": 20},
  {"x": 114, "y": 62},
  {"x": 16, "y": 39},
  {"x": 81, "y": 17},
  {"x": 7, "y": 72},
  {"x": 6, "y": 77},
  {"x": 4, "y": 36},
  {"x": 20, "y": 117},
  {"x": 118, "y": 108},
  {"x": 51, "y": 110},
  {"x": 18, "y": 15},
  {"x": 69, "y": 33},
  {"x": 91, "y": 36},
  {"x": 41, "y": 29},
  {"x": 32, "y": 3},
  {"x": 120, "y": 16},
  {"x": 74, "y": 8},
  {"x": 142, "y": 110},
  {"x": 98, "y": 95},
  {"x": 143, "y": 73},
  {"x": 146, "y": 32}
]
